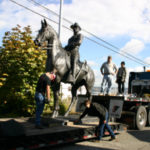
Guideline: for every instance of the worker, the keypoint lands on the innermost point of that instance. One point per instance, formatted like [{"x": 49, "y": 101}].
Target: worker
[
  {"x": 108, "y": 70},
  {"x": 98, "y": 110},
  {"x": 42, "y": 95},
  {"x": 121, "y": 76}
]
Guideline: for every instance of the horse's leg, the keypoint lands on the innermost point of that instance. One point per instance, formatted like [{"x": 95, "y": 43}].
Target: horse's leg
[
  {"x": 89, "y": 92},
  {"x": 74, "y": 98},
  {"x": 56, "y": 101}
]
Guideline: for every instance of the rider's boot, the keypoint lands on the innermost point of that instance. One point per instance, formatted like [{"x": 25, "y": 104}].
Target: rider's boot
[{"x": 70, "y": 79}]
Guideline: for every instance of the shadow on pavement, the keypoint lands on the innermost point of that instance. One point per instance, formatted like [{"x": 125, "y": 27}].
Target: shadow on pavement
[
  {"x": 78, "y": 147},
  {"x": 143, "y": 135}
]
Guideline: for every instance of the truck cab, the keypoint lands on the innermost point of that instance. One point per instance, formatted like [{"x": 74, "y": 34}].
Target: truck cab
[{"x": 139, "y": 83}]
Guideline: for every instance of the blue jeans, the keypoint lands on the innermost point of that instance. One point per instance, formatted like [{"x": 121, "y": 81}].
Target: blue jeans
[
  {"x": 40, "y": 103},
  {"x": 106, "y": 82},
  {"x": 102, "y": 125}
]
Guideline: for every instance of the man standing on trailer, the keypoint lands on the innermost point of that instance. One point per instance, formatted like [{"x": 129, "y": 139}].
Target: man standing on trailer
[
  {"x": 98, "y": 110},
  {"x": 121, "y": 76},
  {"x": 42, "y": 95},
  {"x": 108, "y": 70}
]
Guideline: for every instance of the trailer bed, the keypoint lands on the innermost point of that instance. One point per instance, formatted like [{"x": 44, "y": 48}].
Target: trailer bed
[{"x": 53, "y": 134}]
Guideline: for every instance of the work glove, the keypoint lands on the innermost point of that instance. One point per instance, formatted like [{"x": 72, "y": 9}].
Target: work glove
[{"x": 78, "y": 121}]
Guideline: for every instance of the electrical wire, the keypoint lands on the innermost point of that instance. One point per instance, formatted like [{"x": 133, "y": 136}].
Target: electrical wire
[
  {"x": 142, "y": 63},
  {"x": 45, "y": 8}
]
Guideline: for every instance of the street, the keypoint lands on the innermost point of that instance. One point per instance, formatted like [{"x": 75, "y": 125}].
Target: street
[{"x": 126, "y": 140}]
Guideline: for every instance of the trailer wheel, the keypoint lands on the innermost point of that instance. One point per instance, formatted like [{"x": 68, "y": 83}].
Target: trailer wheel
[
  {"x": 148, "y": 117},
  {"x": 141, "y": 117}
]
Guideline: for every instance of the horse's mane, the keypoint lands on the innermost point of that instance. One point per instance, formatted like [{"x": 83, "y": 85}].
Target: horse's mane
[{"x": 55, "y": 35}]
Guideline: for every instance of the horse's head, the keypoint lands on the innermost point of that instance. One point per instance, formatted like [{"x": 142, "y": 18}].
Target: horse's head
[{"x": 45, "y": 34}]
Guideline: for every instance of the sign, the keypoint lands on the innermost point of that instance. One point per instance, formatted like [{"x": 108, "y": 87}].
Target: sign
[{"x": 115, "y": 108}]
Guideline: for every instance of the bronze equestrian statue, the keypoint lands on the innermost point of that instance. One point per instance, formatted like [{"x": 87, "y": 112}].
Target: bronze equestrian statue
[
  {"x": 73, "y": 48},
  {"x": 58, "y": 58}
]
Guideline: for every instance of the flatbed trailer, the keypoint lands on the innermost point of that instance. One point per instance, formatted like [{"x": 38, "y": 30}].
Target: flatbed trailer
[{"x": 20, "y": 133}]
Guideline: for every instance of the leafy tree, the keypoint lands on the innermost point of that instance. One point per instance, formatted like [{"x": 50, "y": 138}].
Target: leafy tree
[{"x": 21, "y": 64}]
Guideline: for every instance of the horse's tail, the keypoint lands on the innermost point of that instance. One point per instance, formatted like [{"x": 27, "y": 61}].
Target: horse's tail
[{"x": 90, "y": 77}]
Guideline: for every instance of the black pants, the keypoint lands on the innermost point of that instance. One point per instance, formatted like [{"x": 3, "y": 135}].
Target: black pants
[{"x": 120, "y": 86}]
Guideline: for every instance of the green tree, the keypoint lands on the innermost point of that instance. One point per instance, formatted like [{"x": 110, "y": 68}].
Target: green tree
[{"x": 21, "y": 64}]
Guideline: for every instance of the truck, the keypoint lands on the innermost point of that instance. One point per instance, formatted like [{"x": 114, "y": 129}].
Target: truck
[
  {"x": 137, "y": 102},
  {"x": 133, "y": 108}
]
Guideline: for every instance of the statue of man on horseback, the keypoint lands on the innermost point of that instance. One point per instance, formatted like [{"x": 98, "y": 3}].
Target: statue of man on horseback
[
  {"x": 73, "y": 48},
  {"x": 58, "y": 59}
]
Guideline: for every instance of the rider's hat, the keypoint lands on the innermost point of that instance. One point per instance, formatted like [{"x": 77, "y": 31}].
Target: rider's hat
[{"x": 75, "y": 25}]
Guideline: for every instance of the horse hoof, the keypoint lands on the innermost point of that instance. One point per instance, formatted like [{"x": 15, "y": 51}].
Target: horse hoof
[
  {"x": 66, "y": 114},
  {"x": 55, "y": 114}
]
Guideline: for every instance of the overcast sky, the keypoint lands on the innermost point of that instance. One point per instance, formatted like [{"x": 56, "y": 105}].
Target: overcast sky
[{"x": 123, "y": 23}]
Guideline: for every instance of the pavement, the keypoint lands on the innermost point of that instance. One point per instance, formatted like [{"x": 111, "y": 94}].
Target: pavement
[{"x": 126, "y": 140}]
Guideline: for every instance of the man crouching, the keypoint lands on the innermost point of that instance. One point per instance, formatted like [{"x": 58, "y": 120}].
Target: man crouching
[{"x": 98, "y": 110}]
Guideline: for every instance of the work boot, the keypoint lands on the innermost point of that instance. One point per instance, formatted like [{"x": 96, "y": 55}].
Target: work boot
[
  {"x": 97, "y": 141},
  {"x": 112, "y": 138}
]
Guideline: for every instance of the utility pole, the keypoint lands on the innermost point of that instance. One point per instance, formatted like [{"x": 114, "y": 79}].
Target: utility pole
[
  {"x": 60, "y": 19},
  {"x": 59, "y": 33},
  {"x": 144, "y": 68}
]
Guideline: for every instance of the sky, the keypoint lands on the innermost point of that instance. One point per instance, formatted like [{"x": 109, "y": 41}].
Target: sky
[{"x": 124, "y": 24}]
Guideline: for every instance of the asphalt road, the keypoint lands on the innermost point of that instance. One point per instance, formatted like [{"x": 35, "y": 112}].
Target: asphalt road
[{"x": 126, "y": 140}]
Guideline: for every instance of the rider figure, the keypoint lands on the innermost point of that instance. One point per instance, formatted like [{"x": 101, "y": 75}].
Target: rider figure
[{"x": 73, "y": 47}]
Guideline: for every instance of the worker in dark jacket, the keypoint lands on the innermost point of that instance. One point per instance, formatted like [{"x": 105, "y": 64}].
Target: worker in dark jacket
[
  {"x": 98, "y": 110},
  {"x": 121, "y": 76}
]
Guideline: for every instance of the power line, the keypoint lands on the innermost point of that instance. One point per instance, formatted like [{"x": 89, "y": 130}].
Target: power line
[
  {"x": 115, "y": 51},
  {"x": 38, "y": 13},
  {"x": 70, "y": 29},
  {"x": 45, "y": 8}
]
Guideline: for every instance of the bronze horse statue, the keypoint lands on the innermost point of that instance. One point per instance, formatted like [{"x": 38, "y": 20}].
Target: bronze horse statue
[{"x": 58, "y": 58}]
